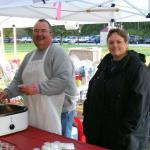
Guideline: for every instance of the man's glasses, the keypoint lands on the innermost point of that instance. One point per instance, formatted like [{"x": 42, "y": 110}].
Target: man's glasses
[{"x": 41, "y": 30}]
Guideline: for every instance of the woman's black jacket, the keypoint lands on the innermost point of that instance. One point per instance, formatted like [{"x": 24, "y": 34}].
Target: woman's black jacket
[{"x": 116, "y": 110}]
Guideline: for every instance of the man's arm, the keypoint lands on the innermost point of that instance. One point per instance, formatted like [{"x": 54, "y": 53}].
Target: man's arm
[{"x": 12, "y": 89}]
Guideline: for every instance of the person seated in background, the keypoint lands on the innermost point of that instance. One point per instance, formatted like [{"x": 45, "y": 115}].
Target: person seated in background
[
  {"x": 116, "y": 111},
  {"x": 69, "y": 106}
]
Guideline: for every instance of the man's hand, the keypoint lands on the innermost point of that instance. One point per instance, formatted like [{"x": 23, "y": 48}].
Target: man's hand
[
  {"x": 3, "y": 97},
  {"x": 28, "y": 89}
]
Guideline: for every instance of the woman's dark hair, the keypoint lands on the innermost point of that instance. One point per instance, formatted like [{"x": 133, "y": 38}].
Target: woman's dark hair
[{"x": 120, "y": 32}]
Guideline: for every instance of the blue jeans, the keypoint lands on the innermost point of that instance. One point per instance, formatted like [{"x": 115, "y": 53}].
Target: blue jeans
[{"x": 66, "y": 122}]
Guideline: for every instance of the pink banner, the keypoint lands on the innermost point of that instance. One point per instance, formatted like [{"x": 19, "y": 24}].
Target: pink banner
[
  {"x": 58, "y": 14},
  {"x": 58, "y": 4}
]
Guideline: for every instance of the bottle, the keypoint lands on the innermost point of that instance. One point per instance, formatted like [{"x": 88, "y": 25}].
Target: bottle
[{"x": 77, "y": 81}]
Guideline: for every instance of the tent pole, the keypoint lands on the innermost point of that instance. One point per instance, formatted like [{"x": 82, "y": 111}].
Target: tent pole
[
  {"x": 111, "y": 24},
  {"x": 2, "y": 41},
  {"x": 15, "y": 48}
]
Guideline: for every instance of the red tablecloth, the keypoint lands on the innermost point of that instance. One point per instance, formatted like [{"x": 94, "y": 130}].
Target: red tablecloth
[{"x": 33, "y": 137}]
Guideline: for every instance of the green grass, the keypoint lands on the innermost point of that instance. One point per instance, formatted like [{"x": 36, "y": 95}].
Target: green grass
[{"x": 23, "y": 48}]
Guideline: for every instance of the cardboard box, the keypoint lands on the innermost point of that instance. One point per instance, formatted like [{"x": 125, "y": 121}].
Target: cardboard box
[{"x": 92, "y": 54}]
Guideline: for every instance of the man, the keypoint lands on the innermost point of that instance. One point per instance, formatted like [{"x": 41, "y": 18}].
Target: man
[{"x": 42, "y": 77}]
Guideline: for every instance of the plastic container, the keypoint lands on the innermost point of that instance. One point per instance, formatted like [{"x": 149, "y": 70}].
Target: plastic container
[{"x": 77, "y": 80}]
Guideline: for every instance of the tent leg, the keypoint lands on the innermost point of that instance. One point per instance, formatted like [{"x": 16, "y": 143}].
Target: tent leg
[
  {"x": 2, "y": 49},
  {"x": 15, "y": 47}
]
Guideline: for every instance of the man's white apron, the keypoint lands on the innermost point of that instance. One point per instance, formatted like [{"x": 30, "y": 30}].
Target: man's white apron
[{"x": 44, "y": 111}]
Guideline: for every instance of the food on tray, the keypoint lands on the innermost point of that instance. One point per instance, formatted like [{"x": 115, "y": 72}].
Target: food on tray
[{"x": 4, "y": 109}]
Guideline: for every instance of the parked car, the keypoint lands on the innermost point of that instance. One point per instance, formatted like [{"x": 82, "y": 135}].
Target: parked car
[
  {"x": 147, "y": 40},
  {"x": 135, "y": 39},
  {"x": 26, "y": 40},
  {"x": 56, "y": 40},
  {"x": 8, "y": 40},
  {"x": 94, "y": 39},
  {"x": 83, "y": 39},
  {"x": 73, "y": 39},
  {"x": 66, "y": 39}
]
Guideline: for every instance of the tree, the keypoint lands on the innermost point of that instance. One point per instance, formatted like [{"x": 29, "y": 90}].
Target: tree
[{"x": 8, "y": 32}]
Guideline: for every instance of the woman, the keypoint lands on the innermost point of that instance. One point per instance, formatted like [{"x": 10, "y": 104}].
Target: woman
[{"x": 116, "y": 110}]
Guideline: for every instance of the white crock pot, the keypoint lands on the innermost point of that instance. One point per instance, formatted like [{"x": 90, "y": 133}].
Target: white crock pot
[{"x": 13, "y": 118}]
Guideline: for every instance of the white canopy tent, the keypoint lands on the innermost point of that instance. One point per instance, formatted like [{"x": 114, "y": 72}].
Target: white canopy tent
[
  {"x": 101, "y": 11},
  {"x": 60, "y": 11}
]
